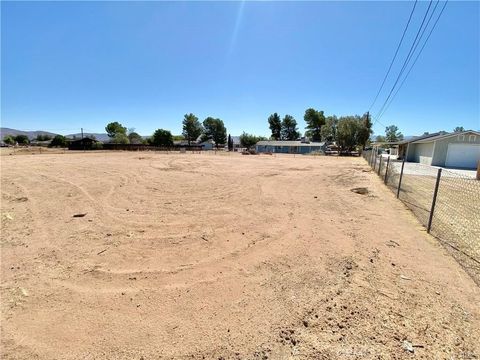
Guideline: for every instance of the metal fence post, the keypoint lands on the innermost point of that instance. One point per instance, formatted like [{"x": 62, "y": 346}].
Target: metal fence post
[
  {"x": 380, "y": 165},
  {"x": 434, "y": 200},
  {"x": 374, "y": 161},
  {"x": 386, "y": 170},
  {"x": 400, "y": 180},
  {"x": 371, "y": 157}
]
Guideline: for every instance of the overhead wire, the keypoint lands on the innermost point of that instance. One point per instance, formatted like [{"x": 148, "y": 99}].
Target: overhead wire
[
  {"x": 407, "y": 59},
  {"x": 394, "y": 56},
  {"x": 416, "y": 58}
]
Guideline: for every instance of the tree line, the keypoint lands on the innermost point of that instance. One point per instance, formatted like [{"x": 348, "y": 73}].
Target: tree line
[
  {"x": 349, "y": 132},
  {"x": 210, "y": 129}
]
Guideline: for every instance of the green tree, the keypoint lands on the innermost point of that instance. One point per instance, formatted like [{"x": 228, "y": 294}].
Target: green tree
[
  {"x": 230, "y": 143},
  {"x": 120, "y": 138},
  {"x": 249, "y": 140},
  {"x": 178, "y": 137},
  {"x": 58, "y": 141},
  {"x": 347, "y": 133},
  {"x": 215, "y": 130},
  {"x": 289, "y": 128},
  {"x": 134, "y": 138},
  {"x": 459, "y": 129},
  {"x": 380, "y": 138},
  {"x": 364, "y": 130},
  {"x": 275, "y": 124},
  {"x": 9, "y": 140},
  {"x": 115, "y": 128},
  {"x": 162, "y": 138},
  {"x": 392, "y": 134},
  {"x": 314, "y": 120},
  {"x": 192, "y": 128},
  {"x": 43, "y": 137},
  {"x": 22, "y": 139},
  {"x": 329, "y": 130}
]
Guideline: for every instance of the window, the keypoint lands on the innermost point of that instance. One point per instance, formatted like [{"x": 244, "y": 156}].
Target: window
[
  {"x": 461, "y": 138},
  {"x": 472, "y": 138}
]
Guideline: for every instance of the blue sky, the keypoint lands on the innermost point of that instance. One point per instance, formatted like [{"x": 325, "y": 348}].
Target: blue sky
[{"x": 67, "y": 65}]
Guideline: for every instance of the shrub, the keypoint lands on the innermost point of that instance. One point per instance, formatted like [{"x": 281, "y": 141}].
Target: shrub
[{"x": 58, "y": 141}]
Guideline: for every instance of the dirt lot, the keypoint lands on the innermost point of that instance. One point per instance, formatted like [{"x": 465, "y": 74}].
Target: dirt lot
[{"x": 221, "y": 257}]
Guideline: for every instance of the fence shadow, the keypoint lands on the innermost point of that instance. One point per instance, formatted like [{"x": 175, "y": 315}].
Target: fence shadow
[{"x": 445, "y": 202}]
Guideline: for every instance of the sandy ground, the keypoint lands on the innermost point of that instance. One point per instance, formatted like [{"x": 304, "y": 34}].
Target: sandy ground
[{"x": 221, "y": 257}]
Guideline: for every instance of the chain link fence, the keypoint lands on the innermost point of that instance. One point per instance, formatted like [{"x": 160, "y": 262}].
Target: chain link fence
[{"x": 447, "y": 203}]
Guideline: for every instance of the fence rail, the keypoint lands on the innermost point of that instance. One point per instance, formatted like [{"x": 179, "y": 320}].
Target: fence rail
[{"x": 447, "y": 203}]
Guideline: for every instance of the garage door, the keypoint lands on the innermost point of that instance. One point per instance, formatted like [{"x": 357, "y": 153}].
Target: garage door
[{"x": 463, "y": 156}]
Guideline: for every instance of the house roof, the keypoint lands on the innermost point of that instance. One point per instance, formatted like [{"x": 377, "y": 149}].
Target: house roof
[
  {"x": 421, "y": 138},
  {"x": 288, "y": 143},
  {"x": 444, "y": 136},
  {"x": 85, "y": 139},
  {"x": 414, "y": 138}
]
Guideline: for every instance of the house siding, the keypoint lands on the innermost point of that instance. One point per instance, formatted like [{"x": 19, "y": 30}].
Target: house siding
[
  {"x": 423, "y": 153},
  {"x": 441, "y": 147},
  {"x": 288, "y": 149}
]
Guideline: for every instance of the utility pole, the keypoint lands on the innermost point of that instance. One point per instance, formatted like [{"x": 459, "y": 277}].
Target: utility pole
[
  {"x": 368, "y": 120},
  {"x": 83, "y": 142}
]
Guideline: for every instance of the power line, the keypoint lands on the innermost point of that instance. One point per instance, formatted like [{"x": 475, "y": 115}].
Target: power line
[
  {"x": 416, "y": 58},
  {"x": 394, "y": 56},
  {"x": 407, "y": 59}
]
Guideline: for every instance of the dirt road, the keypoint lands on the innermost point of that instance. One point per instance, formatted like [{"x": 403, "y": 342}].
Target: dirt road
[{"x": 221, "y": 257}]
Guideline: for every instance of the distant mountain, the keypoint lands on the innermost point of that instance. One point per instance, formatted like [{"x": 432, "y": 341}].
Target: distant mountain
[
  {"x": 99, "y": 136},
  {"x": 406, "y": 137},
  {"x": 31, "y": 134},
  {"x": 103, "y": 137}
]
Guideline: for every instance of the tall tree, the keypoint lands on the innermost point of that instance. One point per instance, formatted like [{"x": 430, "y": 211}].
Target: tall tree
[
  {"x": 162, "y": 137},
  {"x": 275, "y": 124},
  {"x": 289, "y": 128},
  {"x": 459, "y": 129},
  {"x": 364, "y": 130},
  {"x": 192, "y": 128},
  {"x": 115, "y": 128},
  {"x": 347, "y": 132},
  {"x": 215, "y": 130},
  {"x": 392, "y": 134},
  {"x": 329, "y": 130},
  {"x": 230, "y": 143},
  {"x": 314, "y": 120}
]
